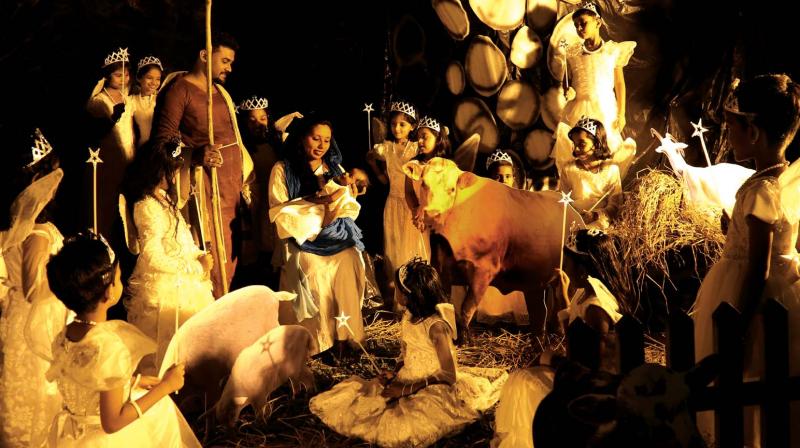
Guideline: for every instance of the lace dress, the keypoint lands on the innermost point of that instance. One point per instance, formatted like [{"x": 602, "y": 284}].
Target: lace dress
[
  {"x": 143, "y": 109},
  {"x": 168, "y": 284},
  {"x": 29, "y": 322},
  {"x": 401, "y": 240},
  {"x": 356, "y": 408},
  {"x": 588, "y": 188},
  {"x": 103, "y": 360},
  {"x": 591, "y": 75},
  {"x": 761, "y": 199}
]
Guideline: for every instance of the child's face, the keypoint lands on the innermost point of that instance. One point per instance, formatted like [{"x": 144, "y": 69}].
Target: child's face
[
  {"x": 257, "y": 119},
  {"x": 583, "y": 151},
  {"x": 587, "y": 25},
  {"x": 504, "y": 174},
  {"x": 426, "y": 140},
  {"x": 738, "y": 128},
  {"x": 150, "y": 81},
  {"x": 115, "y": 80},
  {"x": 401, "y": 127}
]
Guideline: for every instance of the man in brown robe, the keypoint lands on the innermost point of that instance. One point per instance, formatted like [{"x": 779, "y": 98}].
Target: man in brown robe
[{"x": 182, "y": 111}]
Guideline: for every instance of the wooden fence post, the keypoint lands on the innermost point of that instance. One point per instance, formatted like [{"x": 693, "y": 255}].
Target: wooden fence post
[
  {"x": 729, "y": 419},
  {"x": 775, "y": 407},
  {"x": 631, "y": 343}
]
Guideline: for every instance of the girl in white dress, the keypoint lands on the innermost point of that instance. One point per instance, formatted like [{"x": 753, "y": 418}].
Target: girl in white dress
[
  {"x": 30, "y": 316},
  {"x": 94, "y": 362},
  {"x": 170, "y": 282},
  {"x": 594, "y": 71},
  {"x": 148, "y": 76},
  {"x": 592, "y": 177},
  {"x": 429, "y": 397},
  {"x": 401, "y": 239},
  {"x": 759, "y": 260},
  {"x": 112, "y": 111}
]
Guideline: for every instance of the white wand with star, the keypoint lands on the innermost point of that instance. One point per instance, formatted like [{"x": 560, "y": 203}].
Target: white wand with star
[
  {"x": 94, "y": 159},
  {"x": 698, "y": 132},
  {"x": 368, "y": 109},
  {"x": 341, "y": 321},
  {"x": 566, "y": 199}
]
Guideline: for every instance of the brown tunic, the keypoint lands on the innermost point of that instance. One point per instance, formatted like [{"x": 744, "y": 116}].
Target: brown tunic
[{"x": 183, "y": 112}]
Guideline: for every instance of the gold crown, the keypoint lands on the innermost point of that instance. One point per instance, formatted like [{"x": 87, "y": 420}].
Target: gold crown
[
  {"x": 253, "y": 103},
  {"x": 402, "y": 106},
  {"x": 499, "y": 156},
  {"x": 40, "y": 149},
  {"x": 120, "y": 55},
  {"x": 430, "y": 123},
  {"x": 149, "y": 60}
]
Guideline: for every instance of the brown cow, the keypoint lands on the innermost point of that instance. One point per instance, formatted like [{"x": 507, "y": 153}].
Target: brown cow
[{"x": 499, "y": 236}]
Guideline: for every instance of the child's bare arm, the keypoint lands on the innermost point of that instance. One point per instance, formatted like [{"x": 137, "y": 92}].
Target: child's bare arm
[
  {"x": 440, "y": 336},
  {"x": 759, "y": 254},
  {"x": 116, "y": 414}
]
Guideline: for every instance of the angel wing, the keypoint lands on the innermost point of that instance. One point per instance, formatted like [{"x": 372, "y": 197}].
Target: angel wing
[
  {"x": 790, "y": 191},
  {"x": 27, "y": 206},
  {"x": 378, "y": 131},
  {"x": 465, "y": 154},
  {"x": 281, "y": 124}
]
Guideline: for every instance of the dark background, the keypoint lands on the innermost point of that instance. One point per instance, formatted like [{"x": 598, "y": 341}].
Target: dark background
[{"x": 333, "y": 56}]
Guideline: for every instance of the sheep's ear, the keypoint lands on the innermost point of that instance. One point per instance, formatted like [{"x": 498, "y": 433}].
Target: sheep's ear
[{"x": 594, "y": 409}]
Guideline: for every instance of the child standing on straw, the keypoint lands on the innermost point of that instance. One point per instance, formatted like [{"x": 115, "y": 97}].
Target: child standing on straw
[
  {"x": 759, "y": 260},
  {"x": 429, "y": 398}
]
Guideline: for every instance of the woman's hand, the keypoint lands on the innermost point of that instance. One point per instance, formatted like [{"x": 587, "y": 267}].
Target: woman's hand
[
  {"x": 385, "y": 377},
  {"x": 397, "y": 389},
  {"x": 173, "y": 378},
  {"x": 419, "y": 219}
]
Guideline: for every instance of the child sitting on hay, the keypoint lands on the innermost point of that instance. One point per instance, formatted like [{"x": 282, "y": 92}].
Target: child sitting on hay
[{"x": 429, "y": 397}]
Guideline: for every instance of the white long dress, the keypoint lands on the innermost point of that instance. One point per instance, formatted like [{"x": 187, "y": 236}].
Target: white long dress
[
  {"x": 143, "y": 108},
  {"x": 336, "y": 282},
  {"x": 168, "y": 284},
  {"x": 401, "y": 240},
  {"x": 591, "y": 75},
  {"x": 105, "y": 359},
  {"x": 588, "y": 188},
  {"x": 31, "y": 318},
  {"x": 356, "y": 408},
  {"x": 759, "y": 198}
]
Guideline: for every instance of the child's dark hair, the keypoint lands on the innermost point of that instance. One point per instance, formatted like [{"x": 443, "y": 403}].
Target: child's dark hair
[
  {"x": 420, "y": 282},
  {"x": 775, "y": 101},
  {"x": 109, "y": 70},
  {"x": 81, "y": 271},
  {"x": 600, "y": 256},
  {"x": 601, "y": 151}
]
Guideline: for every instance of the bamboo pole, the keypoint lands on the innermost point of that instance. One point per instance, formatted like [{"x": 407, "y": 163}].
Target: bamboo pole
[{"x": 216, "y": 210}]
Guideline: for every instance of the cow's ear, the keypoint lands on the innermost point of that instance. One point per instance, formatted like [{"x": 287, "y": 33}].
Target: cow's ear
[
  {"x": 413, "y": 169},
  {"x": 466, "y": 179},
  {"x": 594, "y": 409}
]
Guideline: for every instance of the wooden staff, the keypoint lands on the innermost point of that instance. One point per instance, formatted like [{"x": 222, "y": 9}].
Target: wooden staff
[{"x": 216, "y": 210}]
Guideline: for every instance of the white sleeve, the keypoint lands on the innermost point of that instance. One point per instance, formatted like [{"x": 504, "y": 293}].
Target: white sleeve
[
  {"x": 153, "y": 226},
  {"x": 278, "y": 191}
]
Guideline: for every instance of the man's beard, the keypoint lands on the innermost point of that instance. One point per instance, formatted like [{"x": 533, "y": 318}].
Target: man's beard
[{"x": 219, "y": 81}]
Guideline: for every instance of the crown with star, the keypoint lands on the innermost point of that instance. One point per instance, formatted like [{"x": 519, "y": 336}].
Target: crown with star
[
  {"x": 40, "y": 149},
  {"x": 588, "y": 6},
  {"x": 587, "y": 124},
  {"x": 149, "y": 60},
  {"x": 406, "y": 108},
  {"x": 499, "y": 156},
  {"x": 430, "y": 123},
  {"x": 120, "y": 55},
  {"x": 254, "y": 103}
]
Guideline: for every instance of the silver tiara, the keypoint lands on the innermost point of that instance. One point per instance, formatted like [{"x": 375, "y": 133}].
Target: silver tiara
[
  {"x": 120, "y": 55},
  {"x": 149, "y": 60},
  {"x": 402, "y": 273},
  {"x": 402, "y": 106},
  {"x": 430, "y": 123},
  {"x": 732, "y": 102},
  {"x": 588, "y": 6},
  {"x": 253, "y": 103},
  {"x": 499, "y": 156},
  {"x": 40, "y": 149},
  {"x": 587, "y": 124}
]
